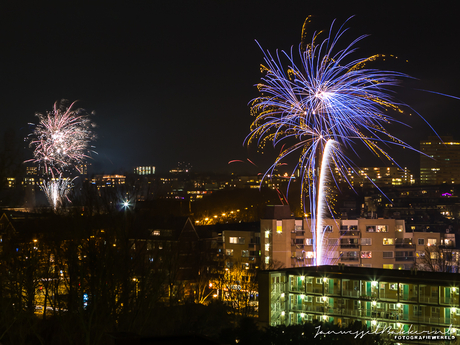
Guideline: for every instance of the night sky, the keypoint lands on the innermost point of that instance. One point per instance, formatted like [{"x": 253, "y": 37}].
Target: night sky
[{"x": 171, "y": 80}]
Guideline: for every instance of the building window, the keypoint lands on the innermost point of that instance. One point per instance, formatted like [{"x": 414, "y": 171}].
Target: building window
[
  {"x": 333, "y": 242},
  {"x": 328, "y": 228},
  {"x": 279, "y": 226},
  {"x": 229, "y": 252},
  {"x": 298, "y": 225},
  {"x": 267, "y": 233},
  {"x": 310, "y": 255},
  {"x": 421, "y": 241},
  {"x": 245, "y": 253},
  {"x": 388, "y": 266},
  {"x": 267, "y": 260},
  {"x": 366, "y": 255},
  {"x": 241, "y": 240},
  {"x": 434, "y": 255},
  {"x": 156, "y": 232},
  {"x": 388, "y": 241},
  {"x": 333, "y": 254},
  {"x": 309, "y": 241},
  {"x": 366, "y": 241},
  {"x": 432, "y": 241},
  {"x": 393, "y": 286},
  {"x": 370, "y": 228},
  {"x": 387, "y": 255},
  {"x": 233, "y": 239},
  {"x": 382, "y": 228}
]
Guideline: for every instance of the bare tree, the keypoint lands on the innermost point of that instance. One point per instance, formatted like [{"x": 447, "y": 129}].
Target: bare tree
[{"x": 438, "y": 259}]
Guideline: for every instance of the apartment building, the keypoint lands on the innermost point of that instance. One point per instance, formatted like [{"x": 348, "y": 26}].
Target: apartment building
[
  {"x": 241, "y": 247},
  {"x": 364, "y": 242},
  {"x": 440, "y": 160},
  {"x": 402, "y": 300},
  {"x": 376, "y": 176}
]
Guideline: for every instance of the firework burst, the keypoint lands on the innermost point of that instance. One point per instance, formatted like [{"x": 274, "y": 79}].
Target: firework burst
[
  {"x": 61, "y": 139},
  {"x": 327, "y": 101}
]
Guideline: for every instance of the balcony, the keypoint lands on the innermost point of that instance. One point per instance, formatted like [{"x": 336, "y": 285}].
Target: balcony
[
  {"x": 349, "y": 233},
  {"x": 404, "y": 258},
  {"x": 349, "y": 245},
  {"x": 431, "y": 300},
  {"x": 404, "y": 245},
  {"x": 349, "y": 258}
]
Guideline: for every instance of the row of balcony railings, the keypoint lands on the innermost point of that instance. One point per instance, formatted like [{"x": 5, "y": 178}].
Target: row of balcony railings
[
  {"x": 349, "y": 232},
  {"x": 420, "y": 317},
  {"x": 383, "y": 291}
]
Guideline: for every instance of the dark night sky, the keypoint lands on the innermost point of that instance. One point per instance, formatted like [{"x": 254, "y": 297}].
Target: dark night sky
[{"x": 171, "y": 80}]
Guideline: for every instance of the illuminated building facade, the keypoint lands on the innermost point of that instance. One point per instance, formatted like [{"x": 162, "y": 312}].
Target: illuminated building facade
[
  {"x": 379, "y": 176},
  {"x": 145, "y": 170},
  {"x": 102, "y": 181},
  {"x": 402, "y": 300},
  {"x": 440, "y": 161},
  {"x": 362, "y": 242}
]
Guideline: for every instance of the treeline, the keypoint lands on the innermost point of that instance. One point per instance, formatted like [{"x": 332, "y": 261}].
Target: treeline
[{"x": 74, "y": 278}]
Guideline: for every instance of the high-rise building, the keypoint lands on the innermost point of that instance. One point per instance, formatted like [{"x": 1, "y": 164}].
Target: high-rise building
[{"x": 440, "y": 160}]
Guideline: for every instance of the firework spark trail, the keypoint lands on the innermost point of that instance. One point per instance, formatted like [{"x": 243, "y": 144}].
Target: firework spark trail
[
  {"x": 321, "y": 199},
  {"x": 323, "y": 100},
  {"x": 56, "y": 190}
]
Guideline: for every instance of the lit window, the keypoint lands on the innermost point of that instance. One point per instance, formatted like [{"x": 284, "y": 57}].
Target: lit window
[
  {"x": 233, "y": 240},
  {"x": 388, "y": 241},
  {"x": 309, "y": 241},
  {"x": 229, "y": 252},
  {"x": 382, "y": 228},
  {"x": 366, "y": 255},
  {"x": 279, "y": 226},
  {"x": 432, "y": 241}
]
